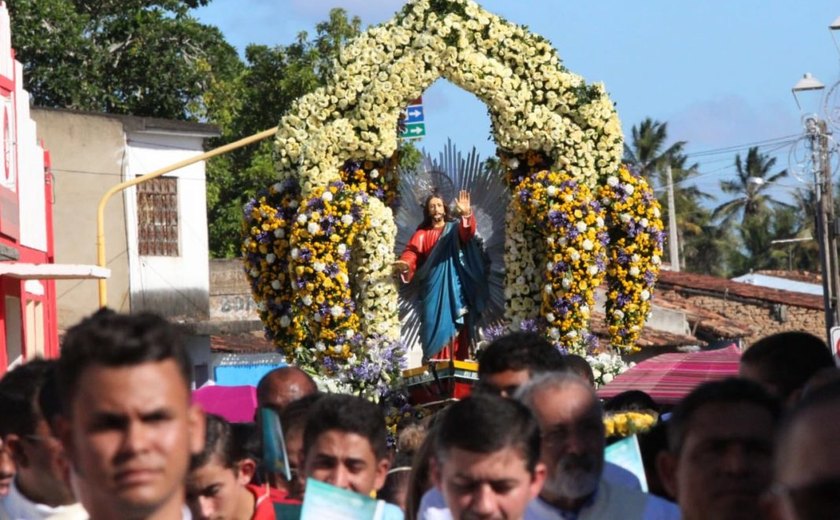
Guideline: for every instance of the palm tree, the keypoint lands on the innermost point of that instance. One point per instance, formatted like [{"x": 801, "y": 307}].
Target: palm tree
[
  {"x": 648, "y": 155},
  {"x": 751, "y": 188}
]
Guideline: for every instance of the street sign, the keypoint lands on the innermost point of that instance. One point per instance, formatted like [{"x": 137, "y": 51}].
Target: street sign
[
  {"x": 412, "y": 124},
  {"x": 414, "y": 131},
  {"x": 835, "y": 341}
]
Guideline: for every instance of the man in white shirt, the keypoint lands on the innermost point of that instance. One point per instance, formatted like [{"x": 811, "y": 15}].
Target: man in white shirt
[
  {"x": 487, "y": 458},
  {"x": 41, "y": 487},
  {"x": 129, "y": 427},
  {"x": 571, "y": 421}
]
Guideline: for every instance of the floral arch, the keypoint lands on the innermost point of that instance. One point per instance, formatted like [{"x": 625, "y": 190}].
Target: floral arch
[{"x": 320, "y": 242}]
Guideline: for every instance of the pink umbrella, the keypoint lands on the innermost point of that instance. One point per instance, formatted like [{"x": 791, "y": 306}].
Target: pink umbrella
[
  {"x": 234, "y": 403},
  {"x": 670, "y": 377}
]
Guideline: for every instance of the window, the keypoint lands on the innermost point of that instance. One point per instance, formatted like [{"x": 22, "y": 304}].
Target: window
[{"x": 157, "y": 217}]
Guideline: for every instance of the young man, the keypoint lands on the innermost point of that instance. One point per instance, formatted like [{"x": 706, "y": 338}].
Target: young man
[
  {"x": 511, "y": 360},
  {"x": 218, "y": 483},
  {"x": 572, "y": 425},
  {"x": 344, "y": 444},
  {"x": 128, "y": 427},
  {"x": 487, "y": 458},
  {"x": 720, "y": 447}
]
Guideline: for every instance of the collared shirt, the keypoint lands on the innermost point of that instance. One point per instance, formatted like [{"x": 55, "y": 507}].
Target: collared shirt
[
  {"x": 15, "y": 506},
  {"x": 610, "y": 502}
]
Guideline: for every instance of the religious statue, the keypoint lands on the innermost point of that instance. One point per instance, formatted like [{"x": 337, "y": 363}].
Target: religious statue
[{"x": 446, "y": 259}]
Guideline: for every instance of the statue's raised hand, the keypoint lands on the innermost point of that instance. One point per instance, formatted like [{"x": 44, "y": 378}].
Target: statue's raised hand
[{"x": 463, "y": 203}]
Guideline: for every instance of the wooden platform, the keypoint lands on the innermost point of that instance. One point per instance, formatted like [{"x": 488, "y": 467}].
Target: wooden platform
[{"x": 440, "y": 381}]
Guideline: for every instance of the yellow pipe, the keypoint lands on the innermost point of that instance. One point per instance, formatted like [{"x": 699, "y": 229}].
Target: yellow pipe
[{"x": 100, "y": 211}]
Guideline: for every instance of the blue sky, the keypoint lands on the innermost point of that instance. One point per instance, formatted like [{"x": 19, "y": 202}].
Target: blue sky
[{"x": 719, "y": 72}]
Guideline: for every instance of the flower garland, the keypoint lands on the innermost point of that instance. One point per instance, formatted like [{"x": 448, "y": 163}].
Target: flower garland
[
  {"x": 636, "y": 235},
  {"x": 626, "y": 424},
  {"x": 318, "y": 245},
  {"x": 605, "y": 366},
  {"x": 572, "y": 224}
]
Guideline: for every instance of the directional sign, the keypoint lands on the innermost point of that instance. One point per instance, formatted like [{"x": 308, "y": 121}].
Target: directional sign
[
  {"x": 414, "y": 114},
  {"x": 413, "y": 131}
]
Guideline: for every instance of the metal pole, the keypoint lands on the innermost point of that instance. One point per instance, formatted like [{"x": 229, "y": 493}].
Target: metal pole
[
  {"x": 814, "y": 129},
  {"x": 100, "y": 210},
  {"x": 830, "y": 225},
  {"x": 673, "y": 240}
]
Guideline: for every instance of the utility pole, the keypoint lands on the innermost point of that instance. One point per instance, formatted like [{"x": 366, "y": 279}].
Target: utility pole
[
  {"x": 673, "y": 241},
  {"x": 826, "y": 221}
]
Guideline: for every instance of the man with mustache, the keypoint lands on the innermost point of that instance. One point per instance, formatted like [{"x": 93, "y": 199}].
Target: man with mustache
[
  {"x": 572, "y": 426},
  {"x": 720, "y": 450}
]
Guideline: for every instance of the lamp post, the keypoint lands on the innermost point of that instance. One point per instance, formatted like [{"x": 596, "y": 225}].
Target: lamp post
[{"x": 817, "y": 133}]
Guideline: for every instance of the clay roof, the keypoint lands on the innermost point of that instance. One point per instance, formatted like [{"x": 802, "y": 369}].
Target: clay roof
[
  {"x": 703, "y": 322},
  {"x": 246, "y": 343},
  {"x": 728, "y": 288},
  {"x": 648, "y": 338}
]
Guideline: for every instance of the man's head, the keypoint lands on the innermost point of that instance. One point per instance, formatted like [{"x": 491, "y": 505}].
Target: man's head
[
  {"x": 580, "y": 366},
  {"x": 43, "y": 471},
  {"x": 807, "y": 462},
  {"x": 283, "y": 385},
  {"x": 216, "y": 482},
  {"x": 571, "y": 422},
  {"x": 293, "y": 420},
  {"x": 128, "y": 426},
  {"x": 487, "y": 458},
  {"x": 511, "y": 360},
  {"x": 720, "y": 440},
  {"x": 782, "y": 363},
  {"x": 344, "y": 443}
]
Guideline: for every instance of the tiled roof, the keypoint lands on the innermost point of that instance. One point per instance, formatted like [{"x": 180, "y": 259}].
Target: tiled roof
[
  {"x": 724, "y": 287},
  {"x": 247, "y": 343},
  {"x": 703, "y": 322}
]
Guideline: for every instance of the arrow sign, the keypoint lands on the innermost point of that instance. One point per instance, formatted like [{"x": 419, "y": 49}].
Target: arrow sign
[
  {"x": 414, "y": 114},
  {"x": 413, "y": 131}
]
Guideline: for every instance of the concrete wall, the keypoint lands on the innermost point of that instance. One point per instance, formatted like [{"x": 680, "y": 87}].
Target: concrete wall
[
  {"x": 87, "y": 159},
  {"x": 171, "y": 285},
  {"x": 761, "y": 318},
  {"x": 230, "y": 294}
]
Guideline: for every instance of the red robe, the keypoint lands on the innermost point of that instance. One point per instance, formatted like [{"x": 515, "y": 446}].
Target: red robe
[{"x": 416, "y": 252}]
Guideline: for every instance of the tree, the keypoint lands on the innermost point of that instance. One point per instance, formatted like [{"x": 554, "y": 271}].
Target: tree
[
  {"x": 648, "y": 155},
  {"x": 140, "y": 57},
  {"x": 750, "y": 188}
]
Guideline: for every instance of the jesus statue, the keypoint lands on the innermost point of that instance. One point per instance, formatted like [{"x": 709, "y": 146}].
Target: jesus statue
[{"x": 447, "y": 261}]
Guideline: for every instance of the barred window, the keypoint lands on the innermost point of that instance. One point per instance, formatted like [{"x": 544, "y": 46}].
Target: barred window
[{"x": 157, "y": 217}]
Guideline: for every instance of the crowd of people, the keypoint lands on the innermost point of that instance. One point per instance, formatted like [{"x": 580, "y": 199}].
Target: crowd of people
[{"x": 109, "y": 431}]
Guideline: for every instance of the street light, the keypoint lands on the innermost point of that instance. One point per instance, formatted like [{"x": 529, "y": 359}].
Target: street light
[{"x": 817, "y": 134}]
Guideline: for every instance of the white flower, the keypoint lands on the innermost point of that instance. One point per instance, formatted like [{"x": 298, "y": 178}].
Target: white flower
[
  {"x": 655, "y": 260},
  {"x": 285, "y": 321},
  {"x": 567, "y": 282},
  {"x": 644, "y": 222},
  {"x": 634, "y": 271},
  {"x": 319, "y": 267},
  {"x": 277, "y": 187},
  {"x": 645, "y": 295},
  {"x": 581, "y": 227},
  {"x": 607, "y": 378},
  {"x": 629, "y": 189},
  {"x": 327, "y": 196},
  {"x": 320, "y": 347},
  {"x": 275, "y": 284},
  {"x": 279, "y": 233},
  {"x": 549, "y": 317},
  {"x": 374, "y": 173},
  {"x": 337, "y": 311},
  {"x": 554, "y": 333},
  {"x": 552, "y": 191},
  {"x": 618, "y": 314},
  {"x": 612, "y": 181},
  {"x": 513, "y": 163},
  {"x": 270, "y": 258},
  {"x": 307, "y": 300},
  {"x": 347, "y": 219},
  {"x": 313, "y": 227},
  {"x": 294, "y": 253},
  {"x": 588, "y": 245},
  {"x": 341, "y": 249},
  {"x": 302, "y": 218}
]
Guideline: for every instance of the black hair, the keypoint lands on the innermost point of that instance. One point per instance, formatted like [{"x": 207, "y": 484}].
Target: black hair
[
  {"x": 19, "y": 390},
  {"x": 520, "y": 351},
  {"x": 246, "y": 441},
  {"x": 218, "y": 442},
  {"x": 580, "y": 366},
  {"x": 631, "y": 400},
  {"x": 349, "y": 414},
  {"x": 486, "y": 424},
  {"x": 726, "y": 391},
  {"x": 294, "y": 415},
  {"x": 118, "y": 340},
  {"x": 787, "y": 360}
]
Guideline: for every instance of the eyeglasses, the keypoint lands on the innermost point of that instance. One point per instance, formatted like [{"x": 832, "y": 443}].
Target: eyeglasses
[{"x": 814, "y": 501}]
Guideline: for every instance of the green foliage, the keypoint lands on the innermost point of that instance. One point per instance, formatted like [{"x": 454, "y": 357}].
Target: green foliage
[
  {"x": 272, "y": 79},
  {"x": 141, "y": 57}
]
